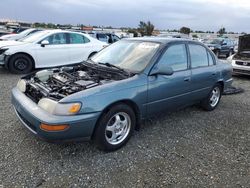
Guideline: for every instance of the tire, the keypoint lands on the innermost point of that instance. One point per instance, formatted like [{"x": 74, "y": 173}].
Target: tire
[
  {"x": 20, "y": 64},
  {"x": 115, "y": 128},
  {"x": 213, "y": 99}
]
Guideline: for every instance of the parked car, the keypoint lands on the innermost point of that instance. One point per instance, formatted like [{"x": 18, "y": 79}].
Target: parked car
[
  {"x": 2, "y": 33},
  {"x": 105, "y": 37},
  {"x": 105, "y": 98},
  {"x": 19, "y": 30},
  {"x": 241, "y": 60},
  {"x": 47, "y": 49},
  {"x": 20, "y": 35},
  {"x": 221, "y": 46}
]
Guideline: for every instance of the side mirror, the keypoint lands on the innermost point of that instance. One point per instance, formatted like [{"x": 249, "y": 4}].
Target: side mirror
[
  {"x": 44, "y": 43},
  {"x": 162, "y": 69}
]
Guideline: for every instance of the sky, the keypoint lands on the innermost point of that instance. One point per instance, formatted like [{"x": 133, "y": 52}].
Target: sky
[{"x": 204, "y": 15}]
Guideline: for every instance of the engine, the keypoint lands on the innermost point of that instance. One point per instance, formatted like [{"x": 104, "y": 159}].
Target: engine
[{"x": 59, "y": 83}]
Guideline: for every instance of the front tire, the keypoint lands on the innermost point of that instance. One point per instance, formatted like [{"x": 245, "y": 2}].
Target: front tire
[
  {"x": 20, "y": 64},
  {"x": 213, "y": 99},
  {"x": 115, "y": 128}
]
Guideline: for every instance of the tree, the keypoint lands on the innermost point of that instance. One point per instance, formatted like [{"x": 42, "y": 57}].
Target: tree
[
  {"x": 222, "y": 31},
  {"x": 185, "y": 30},
  {"x": 146, "y": 28}
]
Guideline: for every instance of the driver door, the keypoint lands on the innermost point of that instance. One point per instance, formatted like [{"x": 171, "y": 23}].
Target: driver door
[{"x": 170, "y": 92}]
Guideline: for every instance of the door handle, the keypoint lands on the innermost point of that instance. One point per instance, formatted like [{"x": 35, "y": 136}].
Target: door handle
[
  {"x": 214, "y": 74},
  {"x": 187, "y": 79}
]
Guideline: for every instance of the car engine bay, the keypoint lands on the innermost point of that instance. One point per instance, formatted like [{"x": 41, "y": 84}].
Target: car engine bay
[{"x": 60, "y": 82}]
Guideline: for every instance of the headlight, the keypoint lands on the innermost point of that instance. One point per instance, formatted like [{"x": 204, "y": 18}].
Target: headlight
[
  {"x": 211, "y": 48},
  {"x": 21, "y": 85},
  {"x": 56, "y": 108}
]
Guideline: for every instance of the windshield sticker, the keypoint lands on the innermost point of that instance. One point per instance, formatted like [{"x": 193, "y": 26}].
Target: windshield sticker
[{"x": 149, "y": 45}]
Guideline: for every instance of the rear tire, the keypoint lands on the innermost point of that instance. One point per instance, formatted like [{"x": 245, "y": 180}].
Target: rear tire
[
  {"x": 213, "y": 99},
  {"x": 115, "y": 128},
  {"x": 20, "y": 64}
]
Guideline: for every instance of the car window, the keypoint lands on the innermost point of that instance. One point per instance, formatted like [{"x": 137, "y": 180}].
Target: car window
[
  {"x": 102, "y": 37},
  {"x": 78, "y": 39},
  {"x": 210, "y": 59},
  {"x": 175, "y": 57},
  {"x": 59, "y": 38},
  {"x": 198, "y": 55},
  {"x": 116, "y": 38}
]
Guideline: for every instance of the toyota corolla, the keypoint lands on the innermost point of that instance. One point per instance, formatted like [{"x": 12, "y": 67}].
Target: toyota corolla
[{"x": 106, "y": 97}]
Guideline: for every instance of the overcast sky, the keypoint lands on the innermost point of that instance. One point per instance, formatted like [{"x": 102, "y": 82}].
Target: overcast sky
[{"x": 234, "y": 15}]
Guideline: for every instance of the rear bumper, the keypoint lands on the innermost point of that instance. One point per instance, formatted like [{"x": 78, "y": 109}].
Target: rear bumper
[{"x": 81, "y": 127}]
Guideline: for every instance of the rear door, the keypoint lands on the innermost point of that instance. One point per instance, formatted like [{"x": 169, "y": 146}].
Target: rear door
[
  {"x": 203, "y": 69},
  {"x": 169, "y": 92},
  {"x": 80, "y": 47}
]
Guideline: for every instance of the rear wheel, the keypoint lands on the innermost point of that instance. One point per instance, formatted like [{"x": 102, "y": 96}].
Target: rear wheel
[
  {"x": 115, "y": 128},
  {"x": 20, "y": 64},
  {"x": 213, "y": 99}
]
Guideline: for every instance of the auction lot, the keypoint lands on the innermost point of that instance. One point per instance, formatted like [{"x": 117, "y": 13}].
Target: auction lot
[{"x": 190, "y": 147}]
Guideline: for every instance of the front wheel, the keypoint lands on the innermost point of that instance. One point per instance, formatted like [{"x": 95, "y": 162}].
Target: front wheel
[
  {"x": 115, "y": 128},
  {"x": 20, "y": 64},
  {"x": 213, "y": 99}
]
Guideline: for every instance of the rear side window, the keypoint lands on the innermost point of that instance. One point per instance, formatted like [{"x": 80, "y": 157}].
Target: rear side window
[
  {"x": 198, "y": 55},
  {"x": 78, "y": 39},
  {"x": 175, "y": 57}
]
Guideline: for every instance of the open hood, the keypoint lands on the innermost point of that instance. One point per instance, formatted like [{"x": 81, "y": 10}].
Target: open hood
[{"x": 244, "y": 44}]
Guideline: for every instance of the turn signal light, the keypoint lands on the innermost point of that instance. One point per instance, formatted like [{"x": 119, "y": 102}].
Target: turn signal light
[
  {"x": 74, "y": 108},
  {"x": 53, "y": 127}
]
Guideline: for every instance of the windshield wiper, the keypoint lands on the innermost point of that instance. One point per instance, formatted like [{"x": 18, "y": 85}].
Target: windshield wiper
[{"x": 111, "y": 65}]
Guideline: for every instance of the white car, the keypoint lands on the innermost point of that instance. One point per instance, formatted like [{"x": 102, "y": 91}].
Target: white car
[
  {"x": 241, "y": 60},
  {"x": 19, "y": 35},
  {"x": 50, "y": 48}
]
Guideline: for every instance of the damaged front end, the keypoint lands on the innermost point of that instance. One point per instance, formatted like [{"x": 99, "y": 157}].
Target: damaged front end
[{"x": 58, "y": 83}]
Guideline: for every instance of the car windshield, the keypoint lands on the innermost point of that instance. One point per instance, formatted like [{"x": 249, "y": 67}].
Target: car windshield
[
  {"x": 131, "y": 55},
  {"x": 34, "y": 37}
]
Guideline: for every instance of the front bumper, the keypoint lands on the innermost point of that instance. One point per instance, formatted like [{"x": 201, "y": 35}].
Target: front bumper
[
  {"x": 80, "y": 126},
  {"x": 241, "y": 69}
]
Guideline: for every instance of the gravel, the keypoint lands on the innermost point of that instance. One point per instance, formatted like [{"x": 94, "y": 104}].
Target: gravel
[{"x": 187, "y": 148}]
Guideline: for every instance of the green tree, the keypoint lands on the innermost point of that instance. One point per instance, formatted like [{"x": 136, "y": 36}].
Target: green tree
[
  {"x": 146, "y": 28},
  {"x": 222, "y": 31},
  {"x": 185, "y": 30}
]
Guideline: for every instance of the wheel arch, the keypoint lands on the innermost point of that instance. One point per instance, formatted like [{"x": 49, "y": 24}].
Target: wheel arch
[
  {"x": 127, "y": 102},
  {"x": 222, "y": 84},
  {"x": 21, "y": 53}
]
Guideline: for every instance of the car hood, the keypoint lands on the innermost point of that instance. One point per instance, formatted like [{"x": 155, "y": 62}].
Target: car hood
[
  {"x": 244, "y": 43},
  {"x": 10, "y": 43},
  {"x": 6, "y": 37}
]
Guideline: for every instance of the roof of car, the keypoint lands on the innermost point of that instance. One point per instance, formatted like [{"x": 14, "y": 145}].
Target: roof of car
[{"x": 162, "y": 40}]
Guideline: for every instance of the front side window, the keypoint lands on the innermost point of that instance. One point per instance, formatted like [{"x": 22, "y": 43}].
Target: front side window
[
  {"x": 175, "y": 57},
  {"x": 77, "y": 39},
  {"x": 55, "y": 39},
  {"x": 198, "y": 55}
]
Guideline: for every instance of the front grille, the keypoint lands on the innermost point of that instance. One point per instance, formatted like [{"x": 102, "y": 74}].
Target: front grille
[
  {"x": 242, "y": 63},
  {"x": 27, "y": 123},
  {"x": 241, "y": 71}
]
